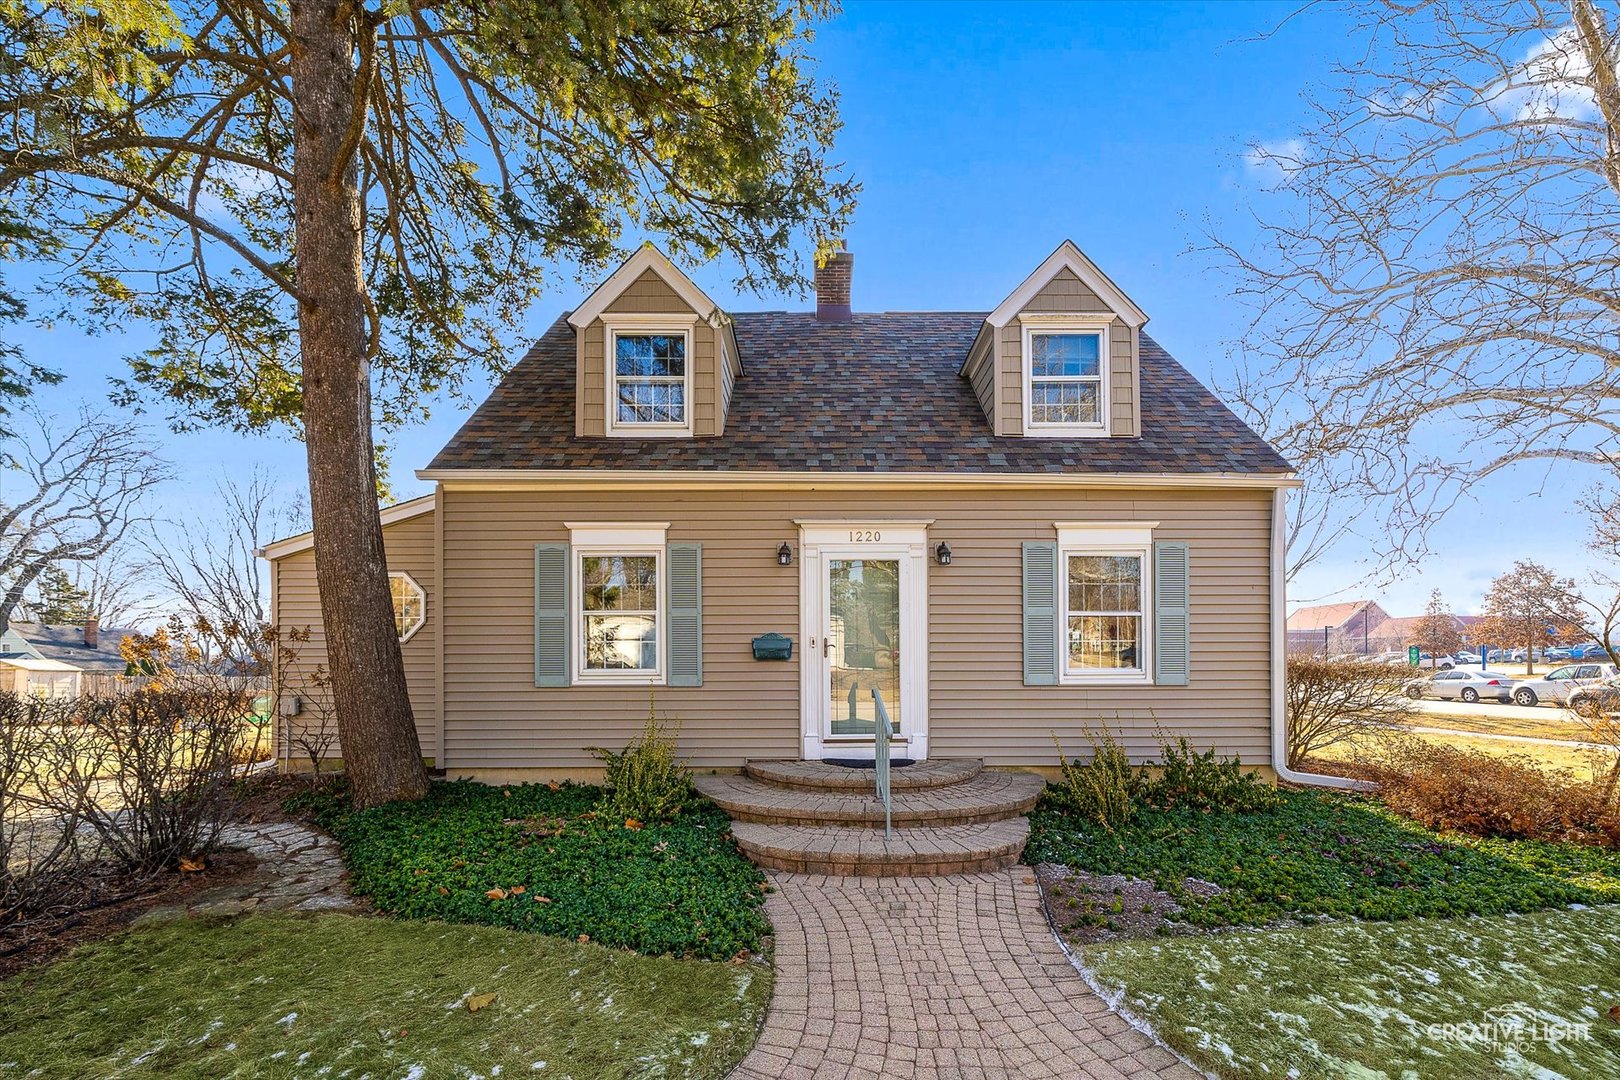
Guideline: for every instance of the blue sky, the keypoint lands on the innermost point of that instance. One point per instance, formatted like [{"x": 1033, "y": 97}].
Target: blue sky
[{"x": 984, "y": 134}]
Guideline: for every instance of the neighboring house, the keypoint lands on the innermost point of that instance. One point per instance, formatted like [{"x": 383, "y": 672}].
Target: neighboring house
[
  {"x": 53, "y": 661},
  {"x": 1012, "y": 524},
  {"x": 1332, "y": 629}
]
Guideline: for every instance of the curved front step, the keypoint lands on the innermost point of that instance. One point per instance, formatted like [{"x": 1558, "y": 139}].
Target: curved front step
[
  {"x": 935, "y": 772},
  {"x": 821, "y": 849},
  {"x": 989, "y": 796}
]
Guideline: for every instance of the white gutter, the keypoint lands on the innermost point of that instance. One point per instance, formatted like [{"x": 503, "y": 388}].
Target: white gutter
[
  {"x": 1279, "y": 658},
  {"x": 762, "y": 479}
]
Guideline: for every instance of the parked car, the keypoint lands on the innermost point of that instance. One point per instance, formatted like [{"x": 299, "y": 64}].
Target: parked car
[
  {"x": 1559, "y": 683},
  {"x": 1463, "y": 685},
  {"x": 1466, "y": 657},
  {"x": 1590, "y": 651},
  {"x": 1443, "y": 662},
  {"x": 1554, "y": 656},
  {"x": 1595, "y": 699}
]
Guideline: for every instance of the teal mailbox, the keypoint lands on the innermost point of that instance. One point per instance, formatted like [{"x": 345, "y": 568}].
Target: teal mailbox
[{"x": 773, "y": 647}]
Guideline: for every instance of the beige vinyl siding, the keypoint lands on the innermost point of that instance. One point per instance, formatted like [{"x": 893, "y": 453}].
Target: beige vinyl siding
[
  {"x": 495, "y": 717},
  {"x": 1067, "y": 294},
  {"x": 410, "y": 546},
  {"x": 730, "y": 372},
  {"x": 980, "y": 370},
  {"x": 648, "y": 295}
]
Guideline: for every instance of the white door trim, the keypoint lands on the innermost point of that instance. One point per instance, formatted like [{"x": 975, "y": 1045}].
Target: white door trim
[{"x": 819, "y": 541}]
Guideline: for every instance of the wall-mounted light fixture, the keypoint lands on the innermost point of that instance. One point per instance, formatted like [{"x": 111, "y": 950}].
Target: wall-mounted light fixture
[
  {"x": 943, "y": 553},
  {"x": 784, "y": 555}
]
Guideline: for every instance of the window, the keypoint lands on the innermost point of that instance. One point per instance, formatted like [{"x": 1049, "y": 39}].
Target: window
[
  {"x": 648, "y": 380},
  {"x": 620, "y": 617},
  {"x": 1107, "y": 594},
  {"x": 1105, "y": 612},
  {"x": 1066, "y": 381},
  {"x": 410, "y": 605}
]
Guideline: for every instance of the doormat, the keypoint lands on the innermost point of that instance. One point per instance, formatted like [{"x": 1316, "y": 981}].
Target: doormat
[{"x": 866, "y": 763}]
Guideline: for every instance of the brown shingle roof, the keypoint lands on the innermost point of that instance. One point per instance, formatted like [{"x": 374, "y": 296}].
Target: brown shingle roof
[
  {"x": 880, "y": 393},
  {"x": 1330, "y": 616}
]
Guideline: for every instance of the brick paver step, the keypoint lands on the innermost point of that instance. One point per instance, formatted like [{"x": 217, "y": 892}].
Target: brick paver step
[
  {"x": 988, "y": 796},
  {"x": 935, "y": 772},
  {"x": 830, "y": 849}
]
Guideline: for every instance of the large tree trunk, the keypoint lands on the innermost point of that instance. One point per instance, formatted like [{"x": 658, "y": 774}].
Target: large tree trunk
[{"x": 381, "y": 753}]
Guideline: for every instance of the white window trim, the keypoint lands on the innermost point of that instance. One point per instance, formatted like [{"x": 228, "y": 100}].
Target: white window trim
[
  {"x": 628, "y": 538},
  {"x": 1107, "y": 538},
  {"x": 612, "y": 327},
  {"x": 417, "y": 585},
  {"x": 1068, "y": 324}
]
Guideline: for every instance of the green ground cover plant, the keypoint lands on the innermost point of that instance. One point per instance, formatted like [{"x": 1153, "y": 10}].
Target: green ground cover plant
[
  {"x": 540, "y": 858},
  {"x": 335, "y": 995},
  {"x": 1509, "y": 995},
  {"x": 1322, "y": 855}
]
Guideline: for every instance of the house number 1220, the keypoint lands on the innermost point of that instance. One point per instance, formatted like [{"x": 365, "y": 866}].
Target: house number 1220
[{"x": 865, "y": 536}]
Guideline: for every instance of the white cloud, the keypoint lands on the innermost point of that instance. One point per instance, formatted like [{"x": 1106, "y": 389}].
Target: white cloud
[
  {"x": 1274, "y": 162},
  {"x": 1551, "y": 82}
]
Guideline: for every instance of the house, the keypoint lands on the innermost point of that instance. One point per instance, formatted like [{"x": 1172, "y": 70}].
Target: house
[
  {"x": 1331, "y": 629},
  {"x": 1009, "y": 526},
  {"x": 53, "y": 661}
]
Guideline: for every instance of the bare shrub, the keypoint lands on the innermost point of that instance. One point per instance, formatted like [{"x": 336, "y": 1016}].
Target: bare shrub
[
  {"x": 37, "y": 842},
  {"x": 1332, "y": 701},
  {"x": 313, "y": 733},
  {"x": 1444, "y": 787},
  {"x": 151, "y": 772}
]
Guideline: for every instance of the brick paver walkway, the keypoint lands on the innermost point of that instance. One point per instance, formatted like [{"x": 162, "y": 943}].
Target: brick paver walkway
[{"x": 958, "y": 976}]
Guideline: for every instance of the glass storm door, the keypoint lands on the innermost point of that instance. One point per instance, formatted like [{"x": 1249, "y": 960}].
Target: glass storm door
[{"x": 862, "y": 647}]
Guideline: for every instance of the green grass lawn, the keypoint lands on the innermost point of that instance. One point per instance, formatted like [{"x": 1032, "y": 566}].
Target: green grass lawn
[
  {"x": 532, "y": 857},
  {"x": 1357, "y": 999},
  {"x": 1325, "y": 855},
  {"x": 335, "y": 995}
]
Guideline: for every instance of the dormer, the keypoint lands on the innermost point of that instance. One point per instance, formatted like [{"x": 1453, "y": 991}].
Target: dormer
[
  {"x": 1059, "y": 357},
  {"x": 655, "y": 358}
]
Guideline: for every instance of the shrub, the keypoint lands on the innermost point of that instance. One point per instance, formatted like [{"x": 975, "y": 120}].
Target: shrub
[
  {"x": 536, "y": 857},
  {"x": 1330, "y": 701},
  {"x": 38, "y": 848},
  {"x": 160, "y": 764},
  {"x": 1514, "y": 797},
  {"x": 645, "y": 781},
  {"x": 1104, "y": 789},
  {"x": 1201, "y": 782}
]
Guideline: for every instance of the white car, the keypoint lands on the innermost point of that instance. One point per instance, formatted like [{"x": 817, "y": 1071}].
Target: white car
[
  {"x": 1557, "y": 685},
  {"x": 1461, "y": 684}
]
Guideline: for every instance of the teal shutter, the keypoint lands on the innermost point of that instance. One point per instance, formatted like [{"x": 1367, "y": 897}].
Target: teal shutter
[
  {"x": 1040, "y": 614},
  {"x": 685, "y": 615},
  {"x": 551, "y": 614},
  {"x": 1172, "y": 649}
]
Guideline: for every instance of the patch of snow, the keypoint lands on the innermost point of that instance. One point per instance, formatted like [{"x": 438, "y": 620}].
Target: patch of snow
[
  {"x": 538, "y": 1065},
  {"x": 701, "y": 1039},
  {"x": 415, "y": 1072},
  {"x": 213, "y": 1026},
  {"x": 144, "y": 1058},
  {"x": 287, "y": 1021}
]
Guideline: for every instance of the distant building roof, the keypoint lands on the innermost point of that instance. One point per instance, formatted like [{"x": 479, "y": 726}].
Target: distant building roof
[
  {"x": 66, "y": 644},
  {"x": 1333, "y": 616}
]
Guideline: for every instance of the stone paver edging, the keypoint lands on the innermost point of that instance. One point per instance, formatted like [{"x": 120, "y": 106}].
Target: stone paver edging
[{"x": 927, "y": 978}]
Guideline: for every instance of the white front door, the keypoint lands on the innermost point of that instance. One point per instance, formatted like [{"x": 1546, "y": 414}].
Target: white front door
[{"x": 864, "y": 628}]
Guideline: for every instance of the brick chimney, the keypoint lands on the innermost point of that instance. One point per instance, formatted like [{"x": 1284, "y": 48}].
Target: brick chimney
[
  {"x": 832, "y": 286},
  {"x": 92, "y": 632}
]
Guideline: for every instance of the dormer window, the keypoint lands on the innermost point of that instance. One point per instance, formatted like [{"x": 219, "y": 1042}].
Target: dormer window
[
  {"x": 1066, "y": 379},
  {"x": 649, "y": 377}
]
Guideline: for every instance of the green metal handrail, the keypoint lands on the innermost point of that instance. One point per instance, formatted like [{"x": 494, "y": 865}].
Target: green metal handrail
[{"x": 883, "y": 731}]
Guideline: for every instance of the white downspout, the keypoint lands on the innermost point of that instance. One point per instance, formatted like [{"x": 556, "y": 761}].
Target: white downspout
[{"x": 1279, "y": 657}]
